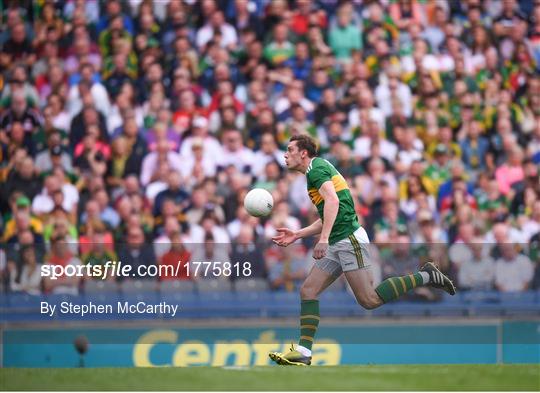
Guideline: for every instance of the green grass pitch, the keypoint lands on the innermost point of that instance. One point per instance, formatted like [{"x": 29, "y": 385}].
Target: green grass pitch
[{"x": 369, "y": 377}]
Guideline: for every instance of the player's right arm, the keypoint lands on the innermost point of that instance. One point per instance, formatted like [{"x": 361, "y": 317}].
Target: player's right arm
[
  {"x": 314, "y": 229},
  {"x": 286, "y": 236}
]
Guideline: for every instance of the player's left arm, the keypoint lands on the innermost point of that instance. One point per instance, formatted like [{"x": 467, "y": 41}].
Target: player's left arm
[{"x": 331, "y": 207}]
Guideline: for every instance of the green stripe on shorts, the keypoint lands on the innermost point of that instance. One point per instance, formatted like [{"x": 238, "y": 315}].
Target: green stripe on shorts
[{"x": 357, "y": 251}]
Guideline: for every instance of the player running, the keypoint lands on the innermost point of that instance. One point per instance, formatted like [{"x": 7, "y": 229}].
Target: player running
[{"x": 342, "y": 248}]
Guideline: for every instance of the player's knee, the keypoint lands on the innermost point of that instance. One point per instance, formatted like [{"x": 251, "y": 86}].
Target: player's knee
[
  {"x": 308, "y": 292},
  {"x": 370, "y": 305},
  {"x": 369, "y": 301}
]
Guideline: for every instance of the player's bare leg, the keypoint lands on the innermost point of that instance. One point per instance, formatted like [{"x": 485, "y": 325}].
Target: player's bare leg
[
  {"x": 392, "y": 288},
  {"x": 361, "y": 282},
  {"x": 316, "y": 282}
]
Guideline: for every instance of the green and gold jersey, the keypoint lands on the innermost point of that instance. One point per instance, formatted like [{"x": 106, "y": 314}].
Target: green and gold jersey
[{"x": 320, "y": 171}]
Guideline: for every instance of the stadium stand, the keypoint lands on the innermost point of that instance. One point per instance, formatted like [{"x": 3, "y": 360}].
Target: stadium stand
[{"x": 131, "y": 130}]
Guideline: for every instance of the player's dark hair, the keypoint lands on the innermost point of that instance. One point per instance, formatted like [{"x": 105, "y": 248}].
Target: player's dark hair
[{"x": 305, "y": 142}]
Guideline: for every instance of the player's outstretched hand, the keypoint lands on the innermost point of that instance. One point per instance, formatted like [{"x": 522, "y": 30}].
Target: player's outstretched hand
[
  {"x": 320, "y": 249},
  {"x": 284, "y": 237}
]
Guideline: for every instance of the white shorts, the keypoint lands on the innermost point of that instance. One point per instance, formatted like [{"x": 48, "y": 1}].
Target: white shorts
[{"x": 347, "y": 254}]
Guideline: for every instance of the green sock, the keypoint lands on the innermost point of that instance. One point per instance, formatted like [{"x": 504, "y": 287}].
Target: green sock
[
  {"x": 394, "y": 287},
  {"x": 309, "y": 322}
]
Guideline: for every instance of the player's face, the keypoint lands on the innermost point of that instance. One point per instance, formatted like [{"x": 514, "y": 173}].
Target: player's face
[{"x": 293, "y": 156}]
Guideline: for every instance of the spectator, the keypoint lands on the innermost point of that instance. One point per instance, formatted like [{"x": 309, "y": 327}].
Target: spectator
[
  {"x": 247, "y": 248},
  {"x": 329, "y": 110},
  {"x": 160, "y": 182},
  {"x": 511, "y": 172},
  {"x": 364, "y": 144},
  {"x": 513, "y": 271},
  {"x": 345, "y": 161},
  {"x": 177, "y": 255},
  {"x": 117, "y": 166},
  {"x": 151, "y": 160},
  {"x": 279, "y": 49},
  {"x": 243, "y": 219},
  {"x": 174, "y": 192},
  {"x": 55, "y": 194},
  {"x": 289, "y": 269},
  {"x": 200, "y": 131},
  {"x": 217, "y": 27},
  {"x": 209, "y": 250},
  {"x": 27, "y": 278},
  {"x": 428, "y": 110},
  {"x": 187, "y": 113},
  {"x": 83, "y": 50},
  {"x": 60, "y": 255},
  {"x": 136, "y": 253},
  {"x": 18, "y": 47},
  {"x": 474, "y": 148},
  {"x": 136, "y": 145},
  {"x": 401, "y": 260},
  {"x": 389, "y": 223},
  {"x": 300, "y": 63},
  {"x": 88, "y": 85},
  {"x": 475, "y": 267},
  {"x": 23, "y": 179},
  {"x": 235, "y": 153},
  {"x": 160, "y": 131},
  {"x": 280, "y": 218},
  {"x": 162, "y": 243},
  {"x": 199, "y": 164},
  {"x": 345, "y": 36},
  {"x": 54, "y": 156},
  {"x": 86, "y": 118},
  {"x": 209, "y": 224},
  {"x": 393, "y": 89},
  {"x": 99, "y": 250},
  {"x": 58, "y": 225},
  {"x": 91, "y": 154},
  {"x": 438, "y": 171},
  {"x": 531, "y": 225},
  {"x": 429, "y": 232},
  {"x": 370, "y": 185},
  {"x": 20, "y": 112},
  {"x": 502, "y": 233},
  {"x": 415, "y": 193},
  {"x": 19, "y": 83},
  {"x": 21, "y": 220},
  {"x": 60, "y": 118}
]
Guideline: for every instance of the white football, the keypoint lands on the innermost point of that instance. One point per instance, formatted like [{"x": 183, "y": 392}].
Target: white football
[{"x": 258, "y": 202}]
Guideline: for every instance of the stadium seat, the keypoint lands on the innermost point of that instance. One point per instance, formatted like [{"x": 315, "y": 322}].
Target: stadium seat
[
  {"x": 136, "y": 286},
  {"x": 177, "y": 286},
  {"x": 100, "y": 286},
  {"x": 57, "y": 298},
  {"x": 143, "y": 296},
  {"x": 251, "y": 285},
  {"x": 140, "y": 290},
  {"x": 283, "y": 297},
  {"x": 99, "y": 291},
  {"x": 185, "y": 299},
  {"x": 23, "y": 300},
  {"x": 517, "y": 297},
  {"x": 212, "y": 285}
]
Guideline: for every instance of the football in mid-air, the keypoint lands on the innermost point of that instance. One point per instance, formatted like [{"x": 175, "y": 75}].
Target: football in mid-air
[{"x": 258, "y": 202}]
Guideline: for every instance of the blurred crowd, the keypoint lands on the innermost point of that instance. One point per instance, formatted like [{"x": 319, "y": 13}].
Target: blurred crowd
[{"x": 131, "y": 130}]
